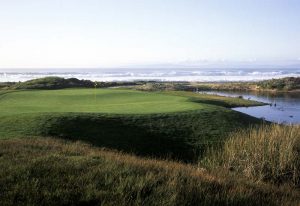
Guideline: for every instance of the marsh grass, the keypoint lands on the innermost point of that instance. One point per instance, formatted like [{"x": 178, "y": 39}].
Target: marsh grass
[
  {"x": 228, "y": 102},
  {"x": 266, "y": 153}
]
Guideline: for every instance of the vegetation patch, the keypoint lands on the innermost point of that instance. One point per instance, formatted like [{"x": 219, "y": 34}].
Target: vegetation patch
[
  {"x": 62, "y": 83},
  {"x": 283, "y": 84},
  {"x": 45, "y": 171},
  {"x": 165, "y": 86},
  {"x": 268, "y": 153},
  {"x": 6, "y": 85},
  {"x": 53, "y": 83}
]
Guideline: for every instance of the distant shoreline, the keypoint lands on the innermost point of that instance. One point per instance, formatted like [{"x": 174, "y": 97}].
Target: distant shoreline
[
  {"x": 157, "y": 75},
  {"x": 288, "y": 84}
]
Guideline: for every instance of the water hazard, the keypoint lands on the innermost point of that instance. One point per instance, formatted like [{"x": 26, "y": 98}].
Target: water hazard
[{"x": 283, "y": 108}]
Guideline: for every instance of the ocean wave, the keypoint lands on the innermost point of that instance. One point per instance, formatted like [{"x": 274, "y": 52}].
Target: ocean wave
[{"x": 157, "y": 75}]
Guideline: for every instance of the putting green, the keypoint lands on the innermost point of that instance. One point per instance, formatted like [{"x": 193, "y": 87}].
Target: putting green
[{"x": 113, "y": 101}]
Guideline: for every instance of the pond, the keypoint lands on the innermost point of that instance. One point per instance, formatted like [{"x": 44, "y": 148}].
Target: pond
[{"x": 284, "y": 107}]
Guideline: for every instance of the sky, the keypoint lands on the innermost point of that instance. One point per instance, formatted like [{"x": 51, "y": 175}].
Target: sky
[{"x": 125, "y": 33}]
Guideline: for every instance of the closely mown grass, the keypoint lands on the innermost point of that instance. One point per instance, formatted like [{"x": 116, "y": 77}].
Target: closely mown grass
[
  {"x": 267, "y": 153},
  {"x": 146, "y": 123},
  {"x": 113, "y": 101},
  {"x": 45, "y": 171}
]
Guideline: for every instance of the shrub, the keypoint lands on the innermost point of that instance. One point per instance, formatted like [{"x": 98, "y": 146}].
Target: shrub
[
  {"x": 288, "y": 83},
  {"x": 61, "y": 83},
  {"x": 53, "y": 83}
]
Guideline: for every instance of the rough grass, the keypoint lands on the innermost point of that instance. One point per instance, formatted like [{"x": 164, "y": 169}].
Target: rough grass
[
  {"x": 53, "y": 83},
  {"x": 45, "y": 171},
  {"x": 268, "y": 153},
  {"x": 228, "y": 102},
  {"x": 282, "y": 84}
]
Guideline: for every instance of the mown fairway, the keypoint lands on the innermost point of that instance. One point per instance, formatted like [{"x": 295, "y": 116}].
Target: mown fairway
[
  {"x": 93, "y": 101},
  {"x": 179, "y": 125}
]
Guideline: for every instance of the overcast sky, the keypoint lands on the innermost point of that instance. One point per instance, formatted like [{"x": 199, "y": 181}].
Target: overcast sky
[{"x": 113, "y": 33}]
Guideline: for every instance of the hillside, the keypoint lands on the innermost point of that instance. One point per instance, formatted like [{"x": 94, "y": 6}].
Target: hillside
[
  {"x": 46, "y": 171},
  {"x": 62, "y": 83},
  {"x": 53, "y": 83}
]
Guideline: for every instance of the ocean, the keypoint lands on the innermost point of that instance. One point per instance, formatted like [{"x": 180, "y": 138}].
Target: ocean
[{"x": 122, "y": 74}]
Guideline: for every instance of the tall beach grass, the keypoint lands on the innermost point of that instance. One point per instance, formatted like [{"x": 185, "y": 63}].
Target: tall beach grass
[
  {"x": 47, "y": 171},
  {"x": 266, "y": 153}
]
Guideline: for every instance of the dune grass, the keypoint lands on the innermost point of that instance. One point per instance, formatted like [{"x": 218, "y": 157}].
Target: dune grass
[
  {"x": 275, "y": 85},
  {"x": 266, "y": 153},
  {"x": 47, "y": 171}
]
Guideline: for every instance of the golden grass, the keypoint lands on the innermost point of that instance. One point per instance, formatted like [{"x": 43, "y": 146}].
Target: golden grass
[
  {"x": 47, "y": 171},
  {"x": 269, "y": 152}
]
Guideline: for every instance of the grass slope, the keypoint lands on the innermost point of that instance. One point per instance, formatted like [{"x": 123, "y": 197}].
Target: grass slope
[
  {"x": 44, "y": 171},
  {"x": 152, "y": 124}
]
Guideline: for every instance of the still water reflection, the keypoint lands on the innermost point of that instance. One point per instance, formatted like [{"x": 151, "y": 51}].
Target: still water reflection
[{"x": 283, "y": 108}]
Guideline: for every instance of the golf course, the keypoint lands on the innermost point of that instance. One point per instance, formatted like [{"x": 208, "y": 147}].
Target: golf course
[
  {"x": 160, "y": 124},
  {"x": 110, "y": 101},
  {"x": 122, "y": 146}
]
